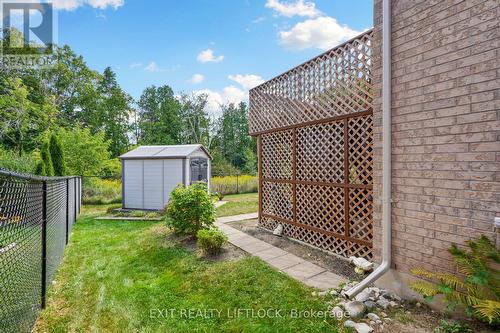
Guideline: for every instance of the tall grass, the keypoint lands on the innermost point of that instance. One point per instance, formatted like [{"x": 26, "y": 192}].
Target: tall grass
[
  {"x": 234, "y": 184},
  {"x": 98, "y": 191}
]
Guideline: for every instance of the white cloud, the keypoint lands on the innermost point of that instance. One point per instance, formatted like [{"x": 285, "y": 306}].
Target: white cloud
[
  {"x": 322, "y": 33},
  {"x": 248, "y": 81},
  {"x": 208, "y": 56},
  {"x": 197, "y": 78},
  {"x": 74, "y": 4},
  {"x": 215, "y": 99},
  {"x": 297, "y": 8},
  {"x": 152, "y": 67}
]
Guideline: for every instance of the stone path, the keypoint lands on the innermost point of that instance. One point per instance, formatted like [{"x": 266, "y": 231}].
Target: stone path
[{"x": 296, "y": 267}]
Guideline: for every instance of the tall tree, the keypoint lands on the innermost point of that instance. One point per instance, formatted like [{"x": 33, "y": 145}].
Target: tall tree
[
  {"x": 114, "y": 109},
  {"x": 57, "y": 155},
  {"x": 159, "y": 116}
]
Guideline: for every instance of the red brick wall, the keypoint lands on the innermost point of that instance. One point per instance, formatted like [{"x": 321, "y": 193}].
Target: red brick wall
[{"x": 446, "y": 128}]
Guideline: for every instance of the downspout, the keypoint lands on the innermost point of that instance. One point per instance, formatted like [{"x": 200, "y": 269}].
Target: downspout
[{"x": 386, "y": 155}]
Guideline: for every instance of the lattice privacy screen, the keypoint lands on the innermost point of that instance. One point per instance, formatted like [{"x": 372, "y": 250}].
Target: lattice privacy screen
[{"x": 314, "y": 125}]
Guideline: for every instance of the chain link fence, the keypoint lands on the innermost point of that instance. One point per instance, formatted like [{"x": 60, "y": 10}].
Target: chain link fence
[{"x": 36, "y": 217}]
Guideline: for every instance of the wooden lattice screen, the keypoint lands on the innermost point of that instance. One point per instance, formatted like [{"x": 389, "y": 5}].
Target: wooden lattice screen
[{"x": 314, "y": 128}]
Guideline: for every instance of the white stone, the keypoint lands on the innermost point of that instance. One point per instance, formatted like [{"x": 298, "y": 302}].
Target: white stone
[
  {"x": 278, "y": 231},
  {"x": 363, "y": 328},
  {"x": 355, "y": 309},
  {"x": 363, "y": 296},
  {"x": 372, "y": 316},
  {"x": 349, "y": 323},
  {"x": 361, "y": 263},
  {"x": 383, "y": 303},
  {"x": 337, "y": 312}
]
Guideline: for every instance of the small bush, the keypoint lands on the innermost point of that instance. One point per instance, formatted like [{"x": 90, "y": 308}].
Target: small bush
[
  {"x": 478, "y": 289},
  {"x": 234, "y": 184},
  {"x": 210, "y": 241},
  {"x": 190, "y": 209},
  {"x": 452, "y": 327},
  {"x": 98, "y": 191}
]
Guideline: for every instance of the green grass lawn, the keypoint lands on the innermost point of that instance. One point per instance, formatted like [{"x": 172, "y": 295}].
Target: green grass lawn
[
  {"x": 117, "y": 276},
  {"x": 239, "y": 204}
]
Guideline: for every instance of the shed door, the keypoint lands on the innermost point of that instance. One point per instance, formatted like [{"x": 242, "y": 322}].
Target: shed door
[
  {"x": 173, "y": 175},
  {"x": 133, "y": 184},
  {"x": 199, "y": 170},
  {"x": 153, "y": 189}
]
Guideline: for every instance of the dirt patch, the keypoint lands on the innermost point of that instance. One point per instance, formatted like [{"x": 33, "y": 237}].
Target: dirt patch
[
  {"x": 318, "y": 257},
  {"x": 228, "y": 252}
]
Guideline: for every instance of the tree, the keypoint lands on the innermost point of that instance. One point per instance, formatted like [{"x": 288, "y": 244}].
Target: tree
[
  {"x": 22, "y": 122},
  {"x": 114, "y": 113},
  {"x": 57, "y": 156},
  {"x": 46, "y": 168},
  {"x": 197, "y": 126},
  {"x": 159, "y": 117},
  {"x": 87, "y": 153}
]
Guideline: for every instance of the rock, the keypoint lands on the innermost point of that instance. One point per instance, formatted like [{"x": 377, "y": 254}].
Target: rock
[
  {"x": 393, "y": 304},
  {"x": 349, "y": 323},
  {"x": 396, "y": 297},
  {"x": 383, "y": 303},
  {"x": 355, "y": 309},
  {"x": 322, "y": 293},
  {"x": 379, "y": 322},
  {"x": 362, "y": 328},
  {"x": 337, "y": 312},
  {"x": 363, "y": 296},
  {"x": 278, "y": 231},
  {"x": 361, "y": 263},
  {"x": 418, "y": 305},
  {"x": 334, "y": 292},
  {"x": 370, "y": 304},
  {"x": 383, "y": 314},
  {"x": 372, "y": 316},
  {"x": 372, "y": 323}
]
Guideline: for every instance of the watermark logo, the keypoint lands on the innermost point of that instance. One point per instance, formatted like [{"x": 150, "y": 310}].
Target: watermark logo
[{"x": 28, "y": 33}]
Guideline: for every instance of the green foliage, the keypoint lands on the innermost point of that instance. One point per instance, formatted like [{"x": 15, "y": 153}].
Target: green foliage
[
  {"x": 452, "y": 327},
  {"x": 221, "y": 167},
  {"x": 12, "y": 161},
  {"x": 479, "y": 288},
  {"x": 190, "y": 209},
  {"x": 57, "y": 156},
  {"x": 159, "y": 116},
  {"x": 112, "y": 168},
  {"x": 97, "y": 191},
  {"x": 211, "y": 241},
  {"x": 250, "y": 166},
  {"x": 234, "y": 184},
  {"x": 87, "y": 152},
  {"x": 46, "y": 168}
]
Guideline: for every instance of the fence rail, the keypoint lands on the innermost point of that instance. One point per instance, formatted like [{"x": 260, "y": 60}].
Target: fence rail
[{"x": 36, "y": 217}]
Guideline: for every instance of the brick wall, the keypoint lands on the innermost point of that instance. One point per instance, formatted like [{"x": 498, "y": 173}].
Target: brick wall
[{"x": 446, "y": 127}]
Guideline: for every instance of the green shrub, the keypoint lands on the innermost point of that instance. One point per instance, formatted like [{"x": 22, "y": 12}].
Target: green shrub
[
  {"x": 210, "y": 241},
  {"x": 190, "y": 209},
  {"x": 97, "y": 191},
  {"x": 45, "y": 167},
  {"x": 57, "y": 156},
  {"x": 10, "y": 160},
  {"x": 478, "y": 289},
  {"x": 234, "y": 184}
]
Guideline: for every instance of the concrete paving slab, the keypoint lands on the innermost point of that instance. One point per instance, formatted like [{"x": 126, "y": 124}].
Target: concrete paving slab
[
  {"x": 256, "y": 246},
  {"x": 270, "y": 253},
  {"x": 324, "y": 281},
  {"x": 304, "y": 270},
  {"x": 284, "y": 262}
]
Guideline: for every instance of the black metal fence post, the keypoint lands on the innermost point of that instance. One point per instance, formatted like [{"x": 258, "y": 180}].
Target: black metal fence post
[
  {"x": 44, "y": 242},
  {"x": 67, "y": 211},
  {"x": 75, "y": 186}
]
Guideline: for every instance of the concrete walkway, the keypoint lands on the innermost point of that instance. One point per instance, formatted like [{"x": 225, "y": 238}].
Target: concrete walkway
[{"x": 296, "y": 267}]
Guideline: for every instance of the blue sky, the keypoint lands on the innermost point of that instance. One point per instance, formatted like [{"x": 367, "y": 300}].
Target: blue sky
[{"x": 220, "y": 47}]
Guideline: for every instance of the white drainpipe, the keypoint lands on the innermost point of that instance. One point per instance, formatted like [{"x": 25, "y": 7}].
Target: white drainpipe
[{"x": 386, "y": 155}]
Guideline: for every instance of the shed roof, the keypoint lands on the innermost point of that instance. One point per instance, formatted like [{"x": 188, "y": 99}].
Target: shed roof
[{"x": 173, "y": 151}]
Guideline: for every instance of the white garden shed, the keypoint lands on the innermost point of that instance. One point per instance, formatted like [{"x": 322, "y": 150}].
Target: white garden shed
[{"x": 150, "y": 173}]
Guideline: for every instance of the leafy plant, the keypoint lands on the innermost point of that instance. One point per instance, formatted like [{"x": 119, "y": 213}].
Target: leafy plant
[
  {"x": 190, "y": 209},
  {"x": 45, "y": 168},
  {"x": 57, "y": 155},
  {"x": 479, "y": 287},
  {"x": 211, "y": 241},
  {"x": 452, "y": 327}
]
